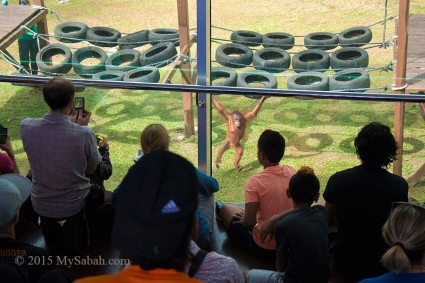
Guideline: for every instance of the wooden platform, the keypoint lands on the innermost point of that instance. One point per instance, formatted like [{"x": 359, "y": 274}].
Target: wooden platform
[
  {"x": 12, "y": 18},
  {"x": 415, "y": 64}
]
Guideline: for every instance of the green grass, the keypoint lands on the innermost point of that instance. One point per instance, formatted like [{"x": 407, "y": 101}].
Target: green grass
[{"x": 319, "y": 133}]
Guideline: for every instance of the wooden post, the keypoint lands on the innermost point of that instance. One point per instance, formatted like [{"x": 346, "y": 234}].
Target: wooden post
[
  {"x": 183, "y": 17},
  {"x": 42, "y": 24},
  {"x": 400, "y": 79}
]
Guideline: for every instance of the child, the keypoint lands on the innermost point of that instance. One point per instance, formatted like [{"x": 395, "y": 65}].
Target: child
[
  {"x": 28, "y": 47},
  {"x": 301, "y": 237}
]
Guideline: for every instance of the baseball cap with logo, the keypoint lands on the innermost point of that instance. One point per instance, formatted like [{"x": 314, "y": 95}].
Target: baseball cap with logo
[
  {"x": 14, "y": 190},
  {"x": 157, "y": 202}
]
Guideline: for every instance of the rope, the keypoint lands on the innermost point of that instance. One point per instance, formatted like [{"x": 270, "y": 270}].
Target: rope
[
  {"x": 57, "y": 14},
  {"x": 13, "y": 63},
  {"x": 399, "y": 88}
]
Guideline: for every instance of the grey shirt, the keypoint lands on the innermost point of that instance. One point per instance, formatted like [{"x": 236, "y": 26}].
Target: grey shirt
[{"x": 59, "y": 152}]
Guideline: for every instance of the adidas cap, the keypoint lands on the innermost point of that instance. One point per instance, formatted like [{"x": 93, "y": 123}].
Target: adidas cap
[{"x": 157, "y": 202}]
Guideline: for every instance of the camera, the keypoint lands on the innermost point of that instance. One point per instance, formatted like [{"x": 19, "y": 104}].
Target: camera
[
  {"x": 3, "y": 134},
  {"x": 79, "y": 103}
]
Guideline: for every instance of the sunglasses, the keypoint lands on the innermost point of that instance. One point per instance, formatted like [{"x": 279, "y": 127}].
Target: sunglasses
[{"x": 401, "y": 203}]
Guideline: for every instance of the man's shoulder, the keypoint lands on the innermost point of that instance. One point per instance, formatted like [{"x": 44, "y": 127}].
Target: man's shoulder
[
  {"x": 31, "y": 121},
  {"x": 6, "y": 243}
]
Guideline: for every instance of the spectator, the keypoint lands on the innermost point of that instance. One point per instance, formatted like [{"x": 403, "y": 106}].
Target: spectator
[
  {"x": 7, "y": 161},
  {"x": 28, "y": 47},
  {"x": 265, "y": 196},
  {"x": 61, "y": 149},
  {"x": 155, "y": 138},
  {"x": 155, "y": 216},
  {"x": 359, "y": 200},
  {"x": 301, "y": 236},
  {"x": 14, "y": 190},
  {"x": 404, "y": 233}
]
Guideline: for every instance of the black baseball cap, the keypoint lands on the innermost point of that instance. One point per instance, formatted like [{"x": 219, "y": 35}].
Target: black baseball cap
[{"x": 157, "y": 201}]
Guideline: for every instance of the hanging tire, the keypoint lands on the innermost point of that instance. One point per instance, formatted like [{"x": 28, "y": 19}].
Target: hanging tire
[
  {"x": 311, "y": 60},
  {"x": 279, "y": 40},
  {"x": 309, "y": 81},
  {"x": 355, "y": 37},
  {"x": 123, "y": 60},
  {"x": 356, "y": 80},
  {"x": 87, "y": 71},
  {"x": 103, "y": 36},
  {"x": 109, "y": 76},
  {"x": 70, "y": 32},
  {"x": 143, "y": 74},
  {"x": 233, "y": 55},
  {"x": 162, "y": 35},
  {"x": 250, "y": 78},
  {"x": 349, "y": 57},
  {"x": 321, "y": 40},
  {"x": 159, "y": 55},
  {"x": 45, "y": 55},
  {"x": 223, "y": 76},
  {"x": 133, "y": 40},
  {"x": 271, "y": 59},
  {"x": 246, "y": 37}
]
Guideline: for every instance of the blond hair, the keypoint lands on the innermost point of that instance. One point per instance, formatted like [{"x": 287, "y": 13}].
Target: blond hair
[
  {"x": 404, "y": 232},
  {"x": 153, "y": 138}
]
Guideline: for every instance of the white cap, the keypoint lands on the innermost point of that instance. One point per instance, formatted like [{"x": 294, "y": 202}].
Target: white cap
[{"x": 14, "y": 190}]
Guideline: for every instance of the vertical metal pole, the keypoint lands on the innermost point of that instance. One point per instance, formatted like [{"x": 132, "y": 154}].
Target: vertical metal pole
[{"x": 203, "y": 100}]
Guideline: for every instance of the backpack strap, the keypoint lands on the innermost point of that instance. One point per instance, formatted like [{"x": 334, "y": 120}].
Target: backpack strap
[{"x": 197, "y": 262}]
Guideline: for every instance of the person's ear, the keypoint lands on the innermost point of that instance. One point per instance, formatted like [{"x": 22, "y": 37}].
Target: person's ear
[{"x": 288, "y": 193}]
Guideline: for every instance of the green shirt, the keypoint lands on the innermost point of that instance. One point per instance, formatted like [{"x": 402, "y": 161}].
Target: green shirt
[{"x": 28, "y": 35}]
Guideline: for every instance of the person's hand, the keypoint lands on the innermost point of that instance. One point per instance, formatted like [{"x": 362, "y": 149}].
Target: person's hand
[
  {"x": 239, "y": 217},
  {"x": 83, "y": 117},
  {"x": 7, "y": 146},
  {"x": 266, "y": 233},
  {"x": 104, "y": 144},
  {"x": 73, "y": 116}
]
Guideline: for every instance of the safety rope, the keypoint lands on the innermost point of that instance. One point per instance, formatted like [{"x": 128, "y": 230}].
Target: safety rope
[{"x": 14, "y": 63}]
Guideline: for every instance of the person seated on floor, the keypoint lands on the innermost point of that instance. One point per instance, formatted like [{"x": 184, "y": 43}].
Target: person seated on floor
[
  {"x": 404, "y": 233},
  {"x": 154, "y": 220},
  {"x": 358, "y": 200},
  {"x": 265, "y": 196},
  {"x": 301, "y": 236},
  {"x": 61, "y": 149},
  {"x": 14, "y": 190},
  {"x": 211, "y": 267},
  {"x": 7, "y": 160},
  {"x": 155, "y": 137}
]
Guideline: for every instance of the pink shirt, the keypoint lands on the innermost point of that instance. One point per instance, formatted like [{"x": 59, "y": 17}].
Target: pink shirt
[
  {"x": 6, "y": 164},
  {"x": 268, "y": 188}
]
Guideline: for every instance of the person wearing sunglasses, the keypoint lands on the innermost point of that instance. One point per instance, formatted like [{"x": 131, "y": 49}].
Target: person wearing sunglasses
[
  {"x": 358, "y": 202},
  {"x": 404, "y": 233}
]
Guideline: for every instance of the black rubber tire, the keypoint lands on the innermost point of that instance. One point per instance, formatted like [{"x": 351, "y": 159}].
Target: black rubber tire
[
  {"x": 118, "y": 60},
  {"x": 159, "y": 55},
  {"x": 246, "y": 78},
  {"x": 162, "y": 35},
  {"x": 85, "y": 53},
  {"x": 45, "y": 54},
  {"x": 309, "y": 81},
  {"x": 271, "y": 59},
  {"x": 133, "y": 40},
  {"x": 311, "y": 60},
  {"x": 355, "y": 37},
  {"x": 246, "y": 37},
  {"x": 228, "y": 75},
  {"x": 349, "y": 57},
  {"x": 103, "y": 36},
  {"x": 243, "y": 59},
  {"x": 321, "y": 40},
  {"x": 279, "y": 40},
  {"x": 143, "y": 75},
  {"x": 70, "y": 32},
  {"x": 109, "y": 76},
  {"x": 354, "y": 80}
]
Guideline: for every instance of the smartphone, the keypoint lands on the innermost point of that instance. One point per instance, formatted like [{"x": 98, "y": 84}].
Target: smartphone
[
  {"x": 79, "y": 103},
  {"x": 3, "y": 135}
]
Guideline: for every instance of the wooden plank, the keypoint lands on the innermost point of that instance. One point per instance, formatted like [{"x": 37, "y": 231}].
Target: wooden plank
[{"x": 415, "y": 62}]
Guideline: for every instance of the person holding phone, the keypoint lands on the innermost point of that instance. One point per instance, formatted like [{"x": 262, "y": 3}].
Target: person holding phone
[
  {"x": 61, "y": 150},
  {"x": 7, "y": 160}
]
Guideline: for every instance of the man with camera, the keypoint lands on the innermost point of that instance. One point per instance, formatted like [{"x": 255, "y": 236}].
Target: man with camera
[{"x": 62, "y": 150}]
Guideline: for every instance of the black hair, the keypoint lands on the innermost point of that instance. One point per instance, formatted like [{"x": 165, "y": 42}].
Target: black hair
[
  {"x": 58, "y": 93},
  {"x": 272, "y": 145},
  {"x": 375, "y": 145},
  {"x": 304, "y": 185}
]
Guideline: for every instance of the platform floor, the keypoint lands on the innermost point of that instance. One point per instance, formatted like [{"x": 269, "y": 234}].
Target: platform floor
[{"x": 415, "y": 64}]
